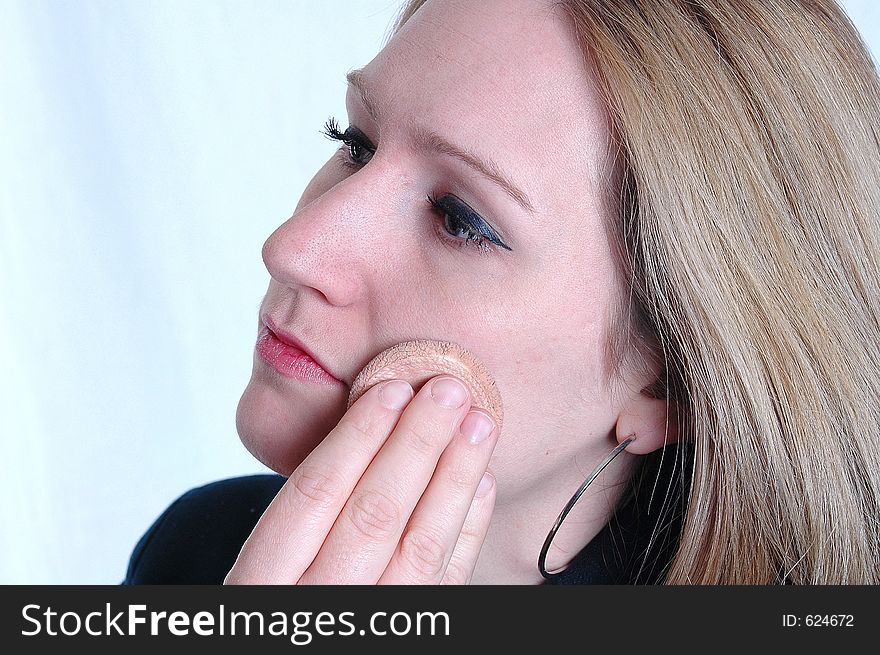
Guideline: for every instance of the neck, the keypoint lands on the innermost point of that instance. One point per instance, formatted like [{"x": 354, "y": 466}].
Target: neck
[{"x": 520, "y": 523}]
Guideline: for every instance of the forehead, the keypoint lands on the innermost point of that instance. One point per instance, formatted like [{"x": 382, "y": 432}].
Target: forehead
[{"x": 504, "y": 78}]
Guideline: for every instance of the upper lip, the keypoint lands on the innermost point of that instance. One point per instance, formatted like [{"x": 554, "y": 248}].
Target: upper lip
[{"x": 291, "y": 340}]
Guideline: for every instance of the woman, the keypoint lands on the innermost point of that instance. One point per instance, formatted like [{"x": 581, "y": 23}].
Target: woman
[{"x": 656, "y": 225}]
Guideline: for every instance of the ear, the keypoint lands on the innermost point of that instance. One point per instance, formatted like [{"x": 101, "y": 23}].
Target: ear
[{"x": 647, "y": 420}]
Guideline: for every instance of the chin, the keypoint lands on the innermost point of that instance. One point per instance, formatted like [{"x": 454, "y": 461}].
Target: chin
[{"x": 281, "y": 430}]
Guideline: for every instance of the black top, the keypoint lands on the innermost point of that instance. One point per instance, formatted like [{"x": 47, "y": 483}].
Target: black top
[{"x": 198, "y": 537}]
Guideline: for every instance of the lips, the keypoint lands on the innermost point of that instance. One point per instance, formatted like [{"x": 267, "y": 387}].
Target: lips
[{"x": 290, "y": 357}]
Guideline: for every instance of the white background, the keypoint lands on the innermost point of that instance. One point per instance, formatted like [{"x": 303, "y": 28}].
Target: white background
[{"x": 147, "y": 149}]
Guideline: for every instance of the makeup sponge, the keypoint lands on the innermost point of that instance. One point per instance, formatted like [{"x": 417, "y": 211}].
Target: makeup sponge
[{"x": 420, "y": 360}]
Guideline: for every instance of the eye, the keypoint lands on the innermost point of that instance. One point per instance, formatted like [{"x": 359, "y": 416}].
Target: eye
[
  {"x": 360, "y": 150},
  {"x": 464, "y": 224}
]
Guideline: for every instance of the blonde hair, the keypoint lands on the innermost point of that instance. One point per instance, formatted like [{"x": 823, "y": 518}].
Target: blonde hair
[{"x": 747, "y": 194}]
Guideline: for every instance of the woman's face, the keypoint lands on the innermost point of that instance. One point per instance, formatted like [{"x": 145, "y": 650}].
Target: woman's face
[{"x": 366, "y": 261}]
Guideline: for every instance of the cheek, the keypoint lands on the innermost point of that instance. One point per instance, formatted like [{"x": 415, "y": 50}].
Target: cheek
[
  {"x": 548, "y": 358},
  {"x": 548, "y": 377},
  {"x": 554, "y": 347}
]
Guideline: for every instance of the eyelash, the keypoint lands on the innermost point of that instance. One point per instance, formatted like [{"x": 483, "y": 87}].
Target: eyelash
[{"x": 444, "y": 206}]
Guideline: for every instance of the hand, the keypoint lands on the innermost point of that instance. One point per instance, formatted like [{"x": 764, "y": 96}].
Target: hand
[{"x": 390, "y": 496}]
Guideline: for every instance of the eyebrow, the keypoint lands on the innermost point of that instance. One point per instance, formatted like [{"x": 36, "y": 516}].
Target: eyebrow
[{"x": 429, "y": 141}]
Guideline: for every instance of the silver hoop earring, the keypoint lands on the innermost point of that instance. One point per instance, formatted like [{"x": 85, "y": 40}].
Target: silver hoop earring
[{"x": 542, "y": 558}]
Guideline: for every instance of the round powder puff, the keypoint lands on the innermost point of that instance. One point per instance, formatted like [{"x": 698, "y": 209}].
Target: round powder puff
[{"x": 420, "y": 360}]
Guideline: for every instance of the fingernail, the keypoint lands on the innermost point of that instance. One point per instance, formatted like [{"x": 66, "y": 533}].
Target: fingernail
[
  {"x": 448, "y": 392},
  {"x": 395, "y": 394},
  {"x": 485, "y": 485},
  {"x": 476, "y": 426}
]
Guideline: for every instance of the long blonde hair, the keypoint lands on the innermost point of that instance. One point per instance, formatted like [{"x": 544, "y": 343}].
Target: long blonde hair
[{"x": 747, "y": 193}]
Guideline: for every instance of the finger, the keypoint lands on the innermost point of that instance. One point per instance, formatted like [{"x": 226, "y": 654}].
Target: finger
[
  {"x": 429, "y": 538},
  {"x": 364, "y": 537},
  {"x": 290, "y": 532},
  {"x": 461, "y": 565}
]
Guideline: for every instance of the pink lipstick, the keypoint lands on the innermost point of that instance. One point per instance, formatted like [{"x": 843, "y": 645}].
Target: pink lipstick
[{"x": 291, "y": 361}]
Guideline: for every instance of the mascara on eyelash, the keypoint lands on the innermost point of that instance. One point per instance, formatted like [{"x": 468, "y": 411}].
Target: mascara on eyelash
[
  {"x": 352, "y": 134},
  {"x": 331, "y": 129}
]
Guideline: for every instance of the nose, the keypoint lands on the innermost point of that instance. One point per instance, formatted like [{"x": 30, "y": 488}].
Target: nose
[{"x": 338, "y": 241}]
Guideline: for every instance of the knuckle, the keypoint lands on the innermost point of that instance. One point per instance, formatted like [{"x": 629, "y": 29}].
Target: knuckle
[
  {"x": 423, "y": 553},
  {"x": 374, "y": 515},
  {"x": 425, "y": 439},
  {"x": 365, "y": 433},
  {"x": 456, "y": 574},
  {"x": 316, "y": 484},
  {"x": 471, "y": 536},
  {"x": 473, "y": 532},
  {"x": 460, "y": 475}
]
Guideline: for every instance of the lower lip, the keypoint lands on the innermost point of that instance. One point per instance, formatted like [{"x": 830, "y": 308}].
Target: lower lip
[{"x": 291, "y": 362}]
